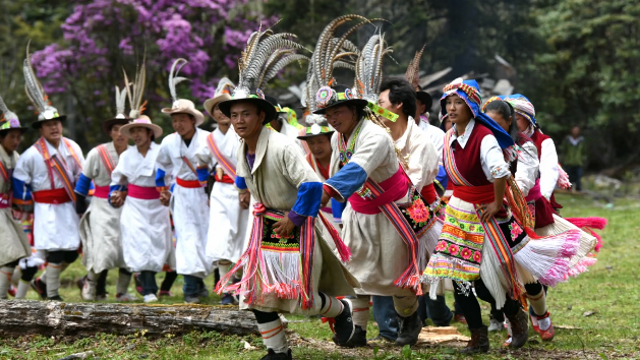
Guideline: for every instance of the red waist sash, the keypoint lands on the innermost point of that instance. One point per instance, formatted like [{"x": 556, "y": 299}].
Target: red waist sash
[
  {"x": 143, "y": 192},
  {"x": 55, "y": 196},
  {"x": 534, "y": 193},
  {"x": 394, "y": 188},
  {"x": 101, "y": 192},
  {"x": 190, "y": 184},
  {"x": 5, "y": 201},
  {"x": 327, "y": 210},
  {"x": 429, "y": 194},
  {"x": 226, "y": 179},
  {"x": 475, "y": 194}
]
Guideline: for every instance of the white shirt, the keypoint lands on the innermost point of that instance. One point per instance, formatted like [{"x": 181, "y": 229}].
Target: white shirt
[
  {"x": 419, "y": 154},
  {"x": 173, "y": 148},
  {"x": 435, "y": 134},
  {"x": 133, "y": 168},
  {"x": 527, "y": 170},
  {"x": 549, "y": 170},
  {"x": 491, "y": 156}
]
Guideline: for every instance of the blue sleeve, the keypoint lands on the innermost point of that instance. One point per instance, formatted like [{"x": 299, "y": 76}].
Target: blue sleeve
[
  {"x": 172, "y": 187},
  {"x": 442, "y": 177},
  {"x": 240, "y": 183},
  {"x": 349, "y": 179},
  {"x": 336, "y": 209},
  {"x": 203, "y": 174},
  {"x": 160, "y": 174},
  {"x": 21, "y": 190},
  {"x": 309, "y": 199},
  {"x": 83, "y": 185}
]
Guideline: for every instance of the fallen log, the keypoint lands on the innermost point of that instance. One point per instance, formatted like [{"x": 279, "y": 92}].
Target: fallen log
[{"x": 27, "y": 317}]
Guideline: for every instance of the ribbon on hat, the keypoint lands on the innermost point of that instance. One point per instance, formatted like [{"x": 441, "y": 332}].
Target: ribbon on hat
[{"x": 382, "y": 112}]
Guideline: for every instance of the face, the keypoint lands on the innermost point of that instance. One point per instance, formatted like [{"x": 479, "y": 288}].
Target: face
[
  {"x": 447, "y": 124},
  {"x": 116, "y": 136},
  {"x": 385, "y": 103},
  {"x": 141, "y": 136},
  {"x": 458, "y": 110},
  {"x": 497, "y": 117},
  {"x": 342, "y": 118},
  {"x": 11, "y": 140},
  {"x": 522, "y": 122},
  {"x": 420, "y": 109},
  {"x": 220, "y": 117},
  {"x": 183, "y": 124},
  {"x": 51, "y": 130},
  {"x": 320, "y": 146},
  {"x": 575, "y": 131},
  {"x": 246, "y": 119}
]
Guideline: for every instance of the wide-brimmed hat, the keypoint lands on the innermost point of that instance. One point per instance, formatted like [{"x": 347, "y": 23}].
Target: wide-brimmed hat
[
  {"x": 316, "y": 130},
  {"x": 223, "y": 93},
  {"x": 120, "y": 118},
  {"x": 143, "y": 121},
  {"x": 183, "y": 106},
  {"x": 49, "y": 114},
  {"x": 257, "y": 99},
  {"x": 327, "y": 98}
]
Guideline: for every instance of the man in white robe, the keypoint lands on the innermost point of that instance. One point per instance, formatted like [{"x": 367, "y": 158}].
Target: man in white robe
[
  {"x": 48, "y": 171},
  {"x": 100, "y": 225},
  {"x": 145, "y": 224},
  {"x": 228, "y": 220},
  {"x": 188, "y": 201}
]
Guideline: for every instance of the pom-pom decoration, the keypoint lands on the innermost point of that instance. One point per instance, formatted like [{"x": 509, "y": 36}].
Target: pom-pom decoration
[{"x": 324, "y": 95}]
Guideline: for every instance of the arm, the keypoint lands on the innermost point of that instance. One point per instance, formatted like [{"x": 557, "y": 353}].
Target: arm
[
  {"x": 549, "y": 171},
  {"x": 21, "y": 183},
  {"x": 89, "y": 172},
  {"x": 497, "y": 171},
  {"x": 527, "y": 171},
  {"x": 118, "y": 188}
]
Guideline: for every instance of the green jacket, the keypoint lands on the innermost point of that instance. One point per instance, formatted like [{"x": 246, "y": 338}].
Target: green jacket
[{"x": 573, "y": 153}]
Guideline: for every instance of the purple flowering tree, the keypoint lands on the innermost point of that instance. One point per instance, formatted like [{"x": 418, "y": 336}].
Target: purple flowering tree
[{"x": 102, "y": 37}]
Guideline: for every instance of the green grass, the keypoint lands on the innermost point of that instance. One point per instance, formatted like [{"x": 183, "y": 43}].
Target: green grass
[{"x": 610, "y": 289}]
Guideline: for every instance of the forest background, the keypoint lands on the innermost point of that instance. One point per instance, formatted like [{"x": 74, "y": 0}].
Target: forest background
[{"x": 577, "y": 60}]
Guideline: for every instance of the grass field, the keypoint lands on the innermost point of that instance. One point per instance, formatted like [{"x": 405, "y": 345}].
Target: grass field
[{"x": 609, "y": 290}]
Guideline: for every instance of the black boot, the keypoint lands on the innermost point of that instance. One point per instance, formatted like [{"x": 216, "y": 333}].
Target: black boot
[
  {"x": 344, "y": 327},
  {"x": 410, "y": 328},
  {"x": 479, "y": 341},
  {"x": 272, "y": 355},
  {"x": 519, "y": 328},
  {"x": 359, "y": 338}
]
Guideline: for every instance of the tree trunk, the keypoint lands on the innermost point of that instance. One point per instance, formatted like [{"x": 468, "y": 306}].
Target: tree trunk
[{"x": 19, "y": 318}]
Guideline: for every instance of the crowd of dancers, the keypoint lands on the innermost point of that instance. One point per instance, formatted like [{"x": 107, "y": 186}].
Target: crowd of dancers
[{"x": 367, "y": 202}]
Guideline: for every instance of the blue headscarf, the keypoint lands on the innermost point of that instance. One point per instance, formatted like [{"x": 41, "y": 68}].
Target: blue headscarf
[{"x": 469, "y": 91}]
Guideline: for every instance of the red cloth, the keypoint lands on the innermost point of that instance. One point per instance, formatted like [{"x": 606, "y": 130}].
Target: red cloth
[
  {"x": 475, "y": 194},
  {"x": 429, "y": 194},
  {"x": 224, "y": 179},
  {"x": 544, "y": 213},
  {"x": 101, "y": 192},
  {"x": 537, "y": 139},
  {"x": 55, "y": 196},
  {"x": 143, "y": 192},
  {"x": 394, "y": 188},
  {"x": 330, "y": 191},
  {"x": 5, "y": 201},
  {"x": 467, "y": 159},
  {"x": 190, "y": 184}
]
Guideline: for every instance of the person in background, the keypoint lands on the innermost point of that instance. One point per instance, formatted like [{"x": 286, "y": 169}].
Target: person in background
[{"x": 573, "y": 156}]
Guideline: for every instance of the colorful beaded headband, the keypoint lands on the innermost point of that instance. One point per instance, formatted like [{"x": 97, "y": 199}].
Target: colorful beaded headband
[{"x": 472, "y": 93}]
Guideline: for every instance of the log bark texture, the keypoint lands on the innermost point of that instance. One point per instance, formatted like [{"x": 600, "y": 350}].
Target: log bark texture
[{"x": 49, "y": 318}]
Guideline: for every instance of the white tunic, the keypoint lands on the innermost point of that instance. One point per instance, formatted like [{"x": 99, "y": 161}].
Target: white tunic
[
  {"x": 145, "y": 224},
  {"x": 292, "y": 133},
  {"x": 188, "y": 205},
  {"x": 419, "y": 154},
  {"x": 55, "y": 226},
  {"x": 527, "y": 169},
  {"x": 100, "y": 225},
  {"x": 435, "y": 134},
  {"x": 379, "y": 255},
  {"x": 228, "y": 222},
  {"x": 549, "y": 170},
  {"x": 13, "y": 240}
]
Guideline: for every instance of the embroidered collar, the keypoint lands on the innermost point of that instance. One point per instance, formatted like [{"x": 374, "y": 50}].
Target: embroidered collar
[{"x": 462, "y": 140}]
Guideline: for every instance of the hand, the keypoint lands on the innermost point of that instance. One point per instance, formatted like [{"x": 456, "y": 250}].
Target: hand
[
  {"x": 117, "y": 199},
  {"x": 245, "y": 198},
  {"x": 284, "y": 227},
  {"x": 325, "y": 199},
  {"x": 165, "y": 197},
  {"x": 489, "y": 211}
]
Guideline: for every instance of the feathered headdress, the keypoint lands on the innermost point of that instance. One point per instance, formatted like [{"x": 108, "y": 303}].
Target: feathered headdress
[
  {"x": 413, "y": 70},
  {"x": 331, "y": 53},
  {"x": 36, "y": 94},
  {"x": 181, "y": 106},
  {"x": 9, "y": 119},
  {"x": 265, "y": 54},
  {"x": 134, "y": 91}
]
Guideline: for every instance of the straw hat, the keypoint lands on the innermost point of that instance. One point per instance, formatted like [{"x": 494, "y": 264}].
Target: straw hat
[
  {"x": 181, "y": 106},
  {"x": 223, "y": 93},
  {"x": 143, "y": 121}
]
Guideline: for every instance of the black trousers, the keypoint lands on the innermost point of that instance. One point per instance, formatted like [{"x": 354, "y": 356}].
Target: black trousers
[{"x": 471, "y": 308}]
